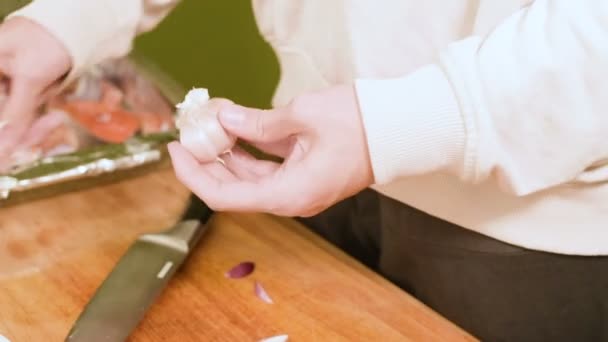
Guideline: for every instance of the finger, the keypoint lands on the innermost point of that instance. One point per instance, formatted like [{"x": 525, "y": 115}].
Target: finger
[
  {"x": 186, "y": 166},
  {"x": 201, "y": 181},
  {"x": 16, "y": 116},
  {"x": 219, "y": 171},
  {"x": 20, "y": 102},
  {"x": 42, "y": 127},
  {"x": 219, "y": 193},
  {"x": 280, "y": 148},
  {"x": 281, "y": 193},
  {"x": 258, "y": 125},
  {"x": 3, "y": 87},
  {"x": 284, "y": 192},
  {"x": 247, "y": 167}
]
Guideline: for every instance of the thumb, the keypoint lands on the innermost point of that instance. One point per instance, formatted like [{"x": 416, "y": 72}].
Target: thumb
[{"x": 257, "y": 125}]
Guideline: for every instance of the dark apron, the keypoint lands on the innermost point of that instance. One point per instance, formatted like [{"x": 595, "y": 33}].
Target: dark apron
[{"x": 495, "y": 291}]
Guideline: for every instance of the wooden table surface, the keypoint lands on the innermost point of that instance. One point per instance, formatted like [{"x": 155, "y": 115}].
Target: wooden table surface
[{"x": 55, "y": 252}]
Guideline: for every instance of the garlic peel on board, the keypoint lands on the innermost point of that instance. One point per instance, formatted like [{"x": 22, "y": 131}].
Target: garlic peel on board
[{"x": 200, "y": 130}]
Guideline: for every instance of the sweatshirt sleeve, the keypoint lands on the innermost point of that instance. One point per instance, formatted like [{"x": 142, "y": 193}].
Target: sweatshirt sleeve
[
  {"x": 525, "y": 106},
  {"x": 95, "y": 30}
]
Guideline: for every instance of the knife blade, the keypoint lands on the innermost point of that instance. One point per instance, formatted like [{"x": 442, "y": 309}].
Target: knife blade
[{"x": 139, "y": 277}]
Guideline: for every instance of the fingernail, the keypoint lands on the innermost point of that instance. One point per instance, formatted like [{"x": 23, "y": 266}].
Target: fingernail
[{"x": 232, "y": 118}]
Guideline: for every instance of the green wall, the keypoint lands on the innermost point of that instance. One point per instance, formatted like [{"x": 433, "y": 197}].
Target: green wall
[
  {"x": 214, "y": 44},
  {"x": 7, "y": 6}
]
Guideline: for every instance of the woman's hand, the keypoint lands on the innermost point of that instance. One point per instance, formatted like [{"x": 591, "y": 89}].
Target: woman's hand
[
  {"x": 321, "y": 138},
  {"x": 32, "y": 61}
]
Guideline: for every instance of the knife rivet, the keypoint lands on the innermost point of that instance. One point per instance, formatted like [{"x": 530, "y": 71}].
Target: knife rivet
[{"x": 163, "y": 271}]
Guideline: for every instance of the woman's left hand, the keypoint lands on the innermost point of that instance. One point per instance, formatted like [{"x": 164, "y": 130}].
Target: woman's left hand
[{"x": 322, "y": 140}]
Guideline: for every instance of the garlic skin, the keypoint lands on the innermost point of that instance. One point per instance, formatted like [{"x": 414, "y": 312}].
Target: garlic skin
[
  {"x": 200, "y": 130},
  {"x": 278, "y": 338}
]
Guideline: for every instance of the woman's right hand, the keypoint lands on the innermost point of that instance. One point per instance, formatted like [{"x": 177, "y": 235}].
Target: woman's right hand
[{"x": 32, "y": 64}]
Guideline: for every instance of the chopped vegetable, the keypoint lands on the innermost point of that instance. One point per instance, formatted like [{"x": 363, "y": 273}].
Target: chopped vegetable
[
  {"x": 278, "y": 338},
  {"x": 261, "y": 293},
  {"x": 241, "y": 270}
]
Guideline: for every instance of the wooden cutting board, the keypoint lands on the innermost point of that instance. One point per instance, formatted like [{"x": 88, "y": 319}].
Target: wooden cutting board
[{"x": 55, "y": 252}]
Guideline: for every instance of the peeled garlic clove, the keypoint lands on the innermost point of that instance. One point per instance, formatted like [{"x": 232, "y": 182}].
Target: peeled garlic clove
[
  {"x": 261, "y": 293},
  {"x": 278, "y": 338},
  {"x": 200, "y": 130}
]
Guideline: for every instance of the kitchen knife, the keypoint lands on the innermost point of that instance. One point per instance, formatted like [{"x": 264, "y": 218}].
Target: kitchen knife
[{"x": 142, "y": 273}]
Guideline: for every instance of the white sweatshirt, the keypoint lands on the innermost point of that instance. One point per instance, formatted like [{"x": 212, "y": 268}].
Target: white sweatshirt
[{"x": 491, "y": 114}]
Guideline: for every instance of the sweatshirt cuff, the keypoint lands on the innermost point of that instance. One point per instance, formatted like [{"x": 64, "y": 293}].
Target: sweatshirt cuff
[
  {"x": 89, "y": 30},
  {"x": 413, "y": 125}
]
